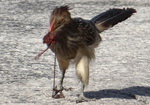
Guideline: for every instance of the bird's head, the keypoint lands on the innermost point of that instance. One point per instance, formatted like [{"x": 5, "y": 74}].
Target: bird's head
[{"x": 59, "y": 17}]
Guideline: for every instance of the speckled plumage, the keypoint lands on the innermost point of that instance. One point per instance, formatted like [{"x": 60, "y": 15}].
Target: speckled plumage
[{"x": 76, "y": 38}]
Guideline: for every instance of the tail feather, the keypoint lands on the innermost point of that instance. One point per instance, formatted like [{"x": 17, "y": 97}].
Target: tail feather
[{"x": 111, "y": 17}]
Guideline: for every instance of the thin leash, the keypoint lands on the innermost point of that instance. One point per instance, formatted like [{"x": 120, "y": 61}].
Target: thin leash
[
  {"x": 54, "y": 71},
  {"x": 54, "y": 67},
  {"x": 54, "y": 75}
]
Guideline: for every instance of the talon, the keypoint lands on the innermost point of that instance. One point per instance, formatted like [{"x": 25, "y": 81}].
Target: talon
[
  {"x": 82, "y": 98},
  {"x": 68, "y": 89},
  {"x": 57, "y": 93}
]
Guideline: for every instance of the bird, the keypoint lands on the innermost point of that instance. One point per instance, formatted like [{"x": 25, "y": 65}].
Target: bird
[{"x": 76, "y": 39}]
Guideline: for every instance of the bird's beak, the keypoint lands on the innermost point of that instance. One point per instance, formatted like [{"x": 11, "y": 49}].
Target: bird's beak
[{"x": 52, "y": 26}]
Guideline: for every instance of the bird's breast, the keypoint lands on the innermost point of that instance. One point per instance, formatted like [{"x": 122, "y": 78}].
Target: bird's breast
[{"x": 67, "y": 44}]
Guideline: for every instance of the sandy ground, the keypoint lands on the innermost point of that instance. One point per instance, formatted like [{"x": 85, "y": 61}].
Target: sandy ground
[{"x": 120, "y": 74}]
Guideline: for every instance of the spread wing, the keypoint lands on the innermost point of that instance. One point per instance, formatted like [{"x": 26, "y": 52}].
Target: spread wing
[{"x": 111, "y": 17}]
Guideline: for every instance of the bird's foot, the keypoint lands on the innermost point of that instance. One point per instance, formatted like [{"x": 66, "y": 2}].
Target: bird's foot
[
  {"x": 68, "y": 89},
  {"x": 82, "y": 98},
  {"x": 57, "y": 93}
]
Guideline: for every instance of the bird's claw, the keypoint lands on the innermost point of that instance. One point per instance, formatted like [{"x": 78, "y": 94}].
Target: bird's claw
[
  {"x": 68, "y": 89},
  {"x": 57, "y": 93},
  {"x": 84, "y": 99}
]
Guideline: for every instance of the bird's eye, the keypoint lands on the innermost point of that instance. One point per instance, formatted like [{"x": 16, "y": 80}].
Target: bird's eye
[{"x": 61, "y": 21}]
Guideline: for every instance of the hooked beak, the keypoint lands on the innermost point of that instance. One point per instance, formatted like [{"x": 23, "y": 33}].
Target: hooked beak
[{"x": 52, "y": 26}]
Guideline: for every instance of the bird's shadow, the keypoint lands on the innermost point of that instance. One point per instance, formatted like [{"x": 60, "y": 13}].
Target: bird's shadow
[{"x": 126, "y": 93}]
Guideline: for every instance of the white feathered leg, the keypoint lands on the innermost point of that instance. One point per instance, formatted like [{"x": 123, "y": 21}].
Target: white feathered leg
[{"x": 82, "y": 70}]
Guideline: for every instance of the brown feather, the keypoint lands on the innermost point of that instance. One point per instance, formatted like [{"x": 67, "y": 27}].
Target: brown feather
[{"x": 111, "y": 17}]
